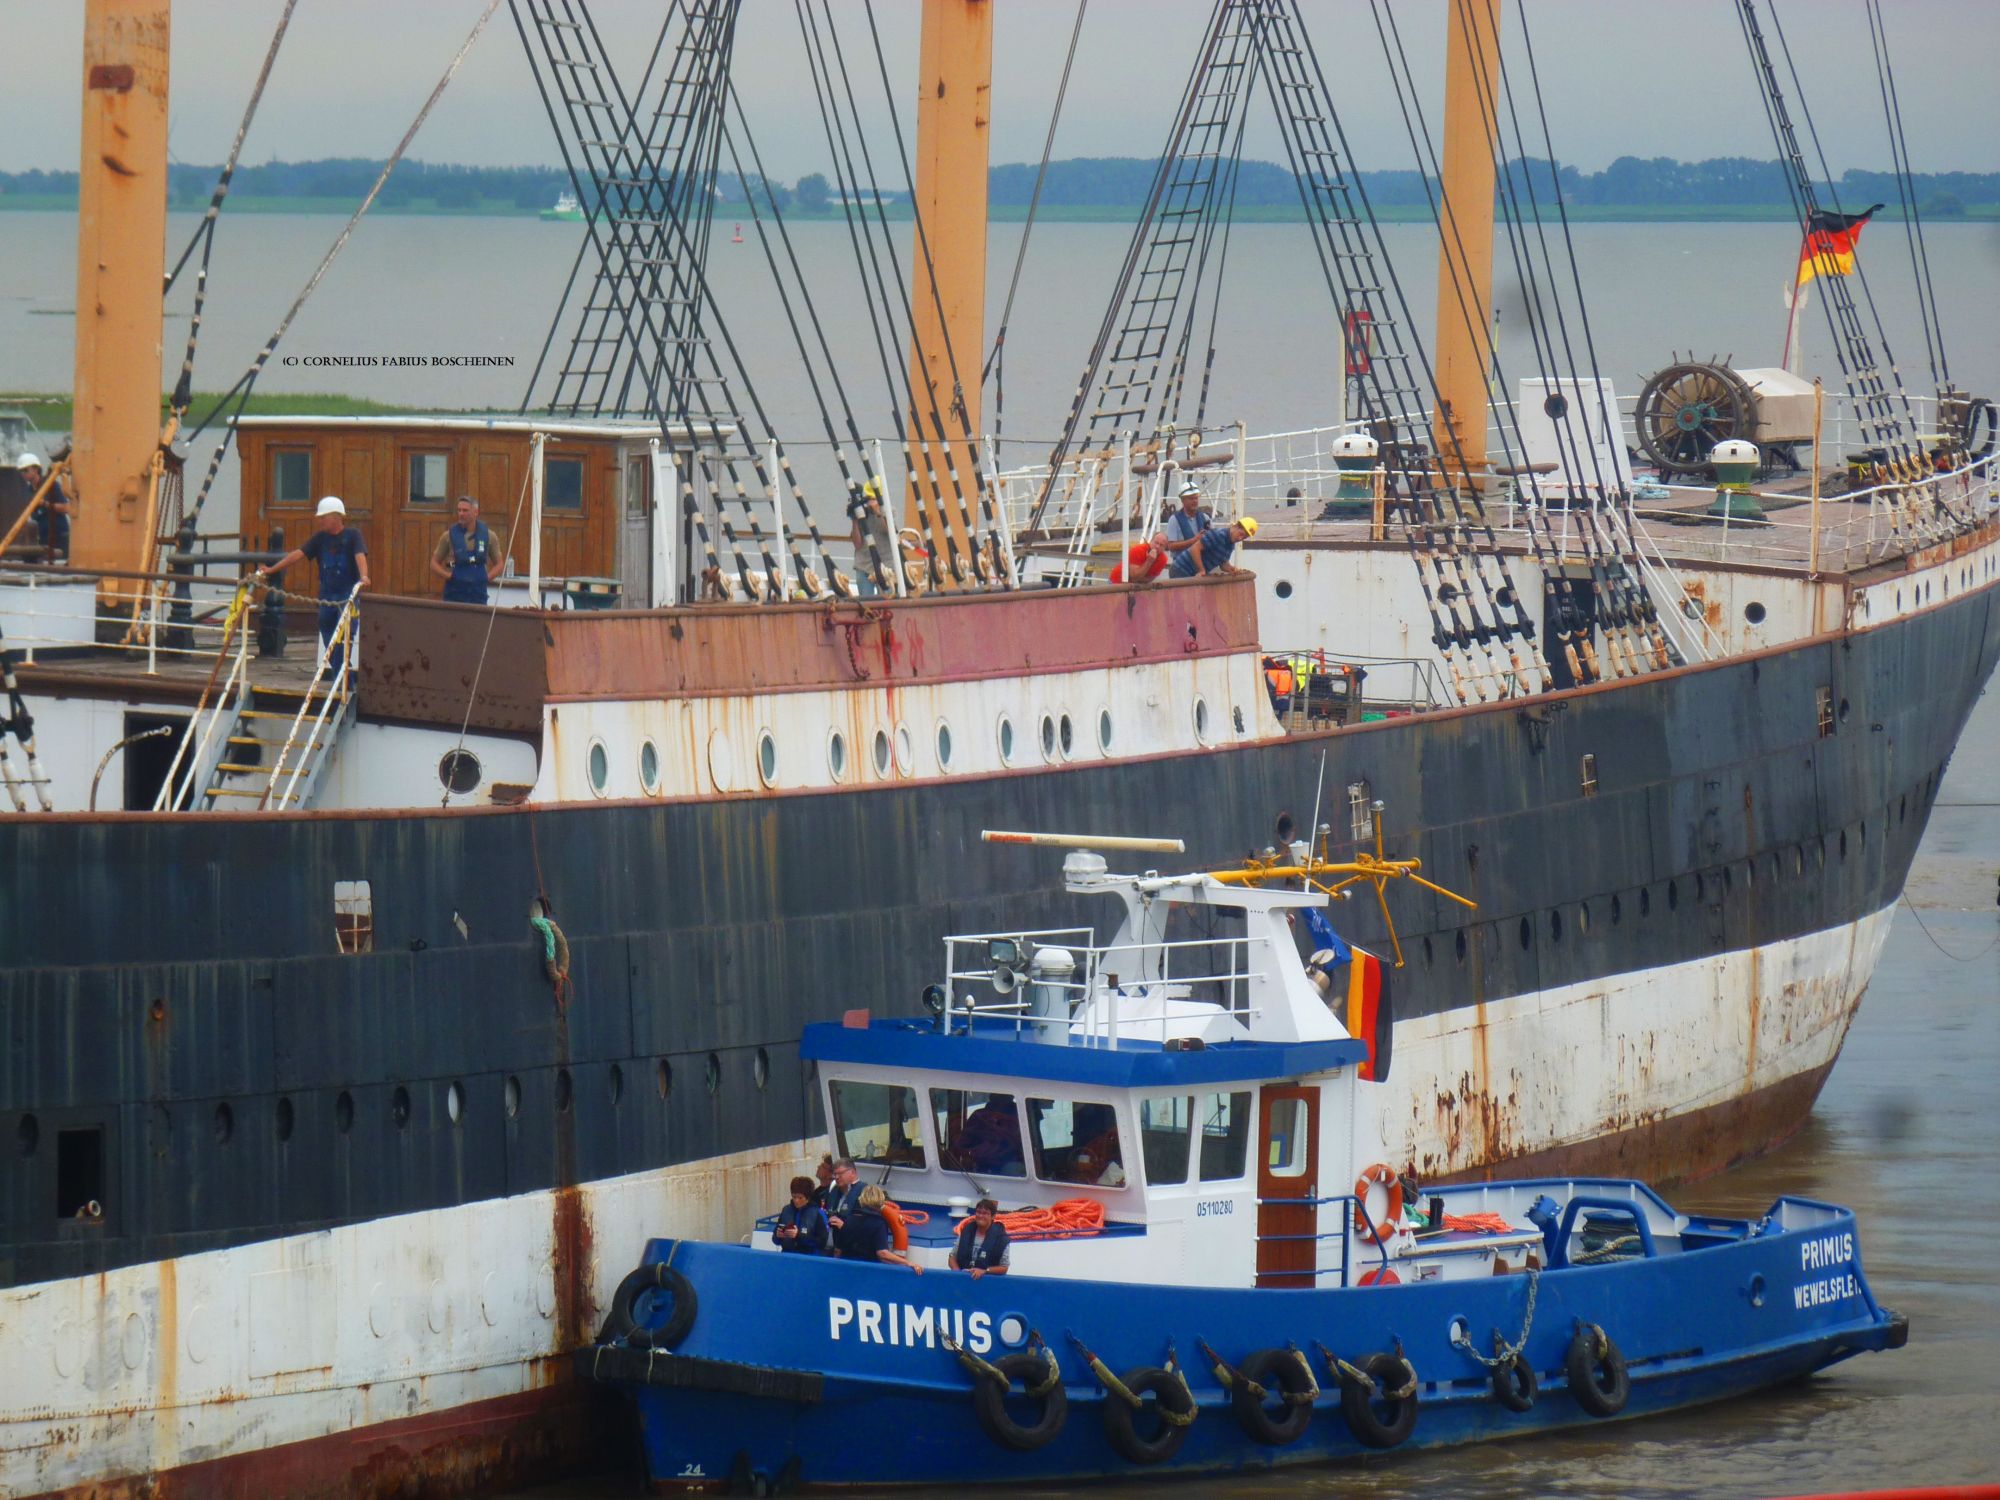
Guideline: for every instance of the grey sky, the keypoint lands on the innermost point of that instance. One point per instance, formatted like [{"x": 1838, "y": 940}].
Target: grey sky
[{"x": 1637, "y": 77}]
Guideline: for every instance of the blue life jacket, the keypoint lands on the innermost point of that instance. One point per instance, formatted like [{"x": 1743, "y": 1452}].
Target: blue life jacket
[
  {"x": 468, "y": 562},
  {"x": 990, "y": 1249}
]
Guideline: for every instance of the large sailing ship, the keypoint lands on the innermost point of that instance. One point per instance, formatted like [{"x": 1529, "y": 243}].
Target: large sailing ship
[{"x": 352, "y": 1059}]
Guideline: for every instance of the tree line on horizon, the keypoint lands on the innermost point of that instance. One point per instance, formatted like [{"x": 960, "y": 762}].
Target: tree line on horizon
[{"x": 1076, "y": 183}]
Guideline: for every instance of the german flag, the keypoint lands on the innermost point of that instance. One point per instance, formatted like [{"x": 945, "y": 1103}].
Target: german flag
[
  {"x": 1370, "y": 1016},
  {"x": 1829, "y": 244}
]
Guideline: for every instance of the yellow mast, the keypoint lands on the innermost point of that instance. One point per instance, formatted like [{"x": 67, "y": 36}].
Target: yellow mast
[
  {"x": 120, "y": 267},
  {"x": 955, "y": 84},
  {"x": 1465, "y": 278}
]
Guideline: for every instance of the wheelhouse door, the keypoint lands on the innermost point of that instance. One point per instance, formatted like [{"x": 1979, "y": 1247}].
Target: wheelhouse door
[
  {"x": 1287, "y": 1182},
  {"x": 635, "y": 543}
]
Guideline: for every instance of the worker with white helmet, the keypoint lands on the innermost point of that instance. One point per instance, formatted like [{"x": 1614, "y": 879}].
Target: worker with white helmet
[
  {"x": 52, "y": 515},
  {"x": 1185, "y": 526},
  {"x": 343, "y": 567}
]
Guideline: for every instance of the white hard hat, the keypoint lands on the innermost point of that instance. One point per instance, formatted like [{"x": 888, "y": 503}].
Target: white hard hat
[
  {"x": 1190, "y": 488},
  {"x": 28, "y": 461},
  {"x": 331, "y": 506}
]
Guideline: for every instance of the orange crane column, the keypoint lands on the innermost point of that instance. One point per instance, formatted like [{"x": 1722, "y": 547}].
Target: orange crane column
[
  {"x": 954, "y": 97},
  {"x": 121, "y": 235},
  {"x": 1465, "y": 283}
]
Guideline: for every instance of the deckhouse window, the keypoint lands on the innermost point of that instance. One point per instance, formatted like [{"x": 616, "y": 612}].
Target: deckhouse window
[
  {"x": 1289, "y": 1147},
  {"x": 1163, "y": 1136},
  {"x": 1225, "y": 1135},
  {"x": 978, "y": 1133},
  {"x": 877, "y": 1122},
  {"x": 1076, "y": 1142}
]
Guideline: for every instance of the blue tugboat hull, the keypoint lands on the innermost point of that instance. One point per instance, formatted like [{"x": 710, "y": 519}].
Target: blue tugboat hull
[{"x": 831, "y": 1372}]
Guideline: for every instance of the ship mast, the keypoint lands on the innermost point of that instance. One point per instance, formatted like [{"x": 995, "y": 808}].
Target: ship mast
[
  {"x": 1465, "y": 259},
  {"x": 954, "y": 92},
  {"x": 121, "y": 236}
]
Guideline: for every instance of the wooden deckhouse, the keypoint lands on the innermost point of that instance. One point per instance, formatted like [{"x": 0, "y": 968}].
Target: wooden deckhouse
[{"x": 401, "y": 477}]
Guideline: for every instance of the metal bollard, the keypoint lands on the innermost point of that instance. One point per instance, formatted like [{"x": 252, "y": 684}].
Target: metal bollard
[{"x": 271, "y": 619}]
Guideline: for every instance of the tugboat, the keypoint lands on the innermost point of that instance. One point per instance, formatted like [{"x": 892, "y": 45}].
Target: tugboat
[
  {"x": 1212, "y": 1268},
  {"x": 566, "y": 209}
]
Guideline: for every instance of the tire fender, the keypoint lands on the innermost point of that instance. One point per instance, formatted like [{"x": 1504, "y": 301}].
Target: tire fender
[
  {"x": 989, "y": 1404},
  {"x": 1514, "y": 1385},
  {"x": 1123, "y": 1423},
  {"x": 1597, "y": 1375},
  {"x": 1376, "y": 1419},
  {"x": 1281, "y": 1370},
  {"x": 623, "y": 1320}
]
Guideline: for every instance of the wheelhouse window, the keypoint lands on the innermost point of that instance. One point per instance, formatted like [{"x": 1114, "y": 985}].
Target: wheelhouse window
[
  {"x": 291, "y": 476},
  {"x": 1076, "y": 1142},
  {"x": 1225, "y": 1135},
  {"x": 562, "y": 484},
  {"x": 978, "y": 1133},
  {"x": 1164, "y": 1128},
  {"x": 427, "y": 475},
  {"x": 877, "y": 1122}
]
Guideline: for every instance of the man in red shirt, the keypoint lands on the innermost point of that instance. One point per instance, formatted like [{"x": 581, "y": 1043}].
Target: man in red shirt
[{"x": 1144, "y": 561}]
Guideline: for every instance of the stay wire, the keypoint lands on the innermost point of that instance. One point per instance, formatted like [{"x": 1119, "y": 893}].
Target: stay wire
[
  {"x": 1906, "y": 188},
  {"x": 247, "y": 382}
]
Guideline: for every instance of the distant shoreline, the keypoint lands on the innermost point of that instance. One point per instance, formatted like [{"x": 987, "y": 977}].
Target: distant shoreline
[{"x": 1582, "y": 213}]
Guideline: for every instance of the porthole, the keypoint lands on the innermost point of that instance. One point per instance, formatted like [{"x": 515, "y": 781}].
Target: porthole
[
  {"x": 399, "y": 1106},
  {"x": 761, "y": 1068},
  {"x": 1201, "y": 720},
  {"x": 1845, "y": 710},
  {"x": 343, "y": 1112},
  {"x": 1104, "y": 730},
  {"x": 1006, "y": 741},
  {"x": 721, "y": 760},
  {"x": 1427, "y": 953},
  {"x": 1066, "y": 734},
  {"x": 1754, "y": 612},
  {"x": 283, "y": 1119},
  {"x": 454, "y": 1102},
  {"x": 28, "y": 1134},
  {"x": 1583, "y": 920},
  {"x": 906, "y": 752},
  {"x": 943, "y": 745},
  {"x": 617, "y": 1083},
  {"x": 1284, "y": 589},
  {"x": 1750, "y": 874},
  {"x": 1048, "y": 738},
  {"x": 1798, "y": 861},
  {"x": 881, "y": 752},
  {"x": 836, "y": 755},
  {"x": 1843, "y": 843},
  {"x": 1645, "y": 901},
  {"x": 458, "y": 771},
  {"x": 663, "y": 1077},
  {"x": 649, "y": 768},
  {"x": 510, "y": 1098},
  {"x": 1617, "y": 912},
  {"x": 1527, "y": 932},
  {"x": 563, "y": 1088},
  {"x": 713, "y": 1073},
  {"x": 1673, "y": 895},
  {"x": 598, "y": 762},
  {"x": 1555, "y": 926},
  {"x": 225, "y": 1124},
  {"x": 767, "y": 757},
  {"x": 1458, "y": 944},
  {"x": 1864, "y": 833}
]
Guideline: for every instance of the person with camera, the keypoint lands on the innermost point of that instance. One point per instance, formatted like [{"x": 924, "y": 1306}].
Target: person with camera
[{"x": 874, "y": 543}]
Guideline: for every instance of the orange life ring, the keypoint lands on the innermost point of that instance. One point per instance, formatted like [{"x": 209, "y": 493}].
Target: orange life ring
[
  {"x": 899, "y": 1226},
  {"x": 1383, "y": 1176}
]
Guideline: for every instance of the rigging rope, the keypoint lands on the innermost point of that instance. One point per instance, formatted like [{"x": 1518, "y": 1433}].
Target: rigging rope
[{"x": 1906, "y": 192}]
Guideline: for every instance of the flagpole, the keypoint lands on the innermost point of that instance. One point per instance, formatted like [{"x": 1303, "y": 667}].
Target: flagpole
[{"x": 1792, "y": 314}]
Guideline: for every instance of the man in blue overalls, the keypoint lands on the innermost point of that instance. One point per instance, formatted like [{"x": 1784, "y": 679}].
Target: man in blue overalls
[
  {"x": 52, "y": 516},
  {"x": 343, "y": 566},
  {"x": 466, "y": 558}
]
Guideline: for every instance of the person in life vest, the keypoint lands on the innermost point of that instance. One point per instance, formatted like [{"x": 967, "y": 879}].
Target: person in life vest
[
  {"x": 1144, "y": 561},
  {"x": 343, "y": 567},
  {"x": 982, "y": 1242},
  {"x": 1280, "y": 680},
  {"x": 466, "y": 557},
  {"x": 867, "y": 1235},
  {"x": 802, "y": 1227}
]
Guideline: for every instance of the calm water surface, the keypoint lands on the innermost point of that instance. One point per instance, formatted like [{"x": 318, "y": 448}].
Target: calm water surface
[{"x": 1908, "y": 1129}]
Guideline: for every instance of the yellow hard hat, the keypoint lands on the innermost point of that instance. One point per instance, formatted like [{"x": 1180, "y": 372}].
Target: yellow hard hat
[{"x": 1249, "y": 525}]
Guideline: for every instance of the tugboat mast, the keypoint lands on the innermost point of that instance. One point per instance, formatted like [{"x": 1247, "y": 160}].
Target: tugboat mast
[
  {"x": 120, "y": 269},
  {"x": 954, "y": 97},
  {"x": 1465, "y": 258}
]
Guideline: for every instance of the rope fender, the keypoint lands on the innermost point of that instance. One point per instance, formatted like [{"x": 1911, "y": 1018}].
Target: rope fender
[
  {"x": 1102, "y": 1371},
  {"x": 1228, "y": 1376}
]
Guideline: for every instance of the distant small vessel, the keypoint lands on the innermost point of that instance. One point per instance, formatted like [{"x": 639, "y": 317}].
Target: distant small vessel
[
  {"x": 1213, "y": 1076},
  {"x": 566, "y": 209},
  {"x": 737, "y": 237}
]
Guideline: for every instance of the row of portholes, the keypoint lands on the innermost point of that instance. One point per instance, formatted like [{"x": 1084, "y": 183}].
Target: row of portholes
[
  {"x": 284, "y": 1116},
  {"x": 1720, "y": 881},
  {"x": 887, "y": 753}
]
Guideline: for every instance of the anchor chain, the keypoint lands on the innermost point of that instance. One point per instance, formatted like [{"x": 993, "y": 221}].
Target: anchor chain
[{"x": 1505, "y": 1353}]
